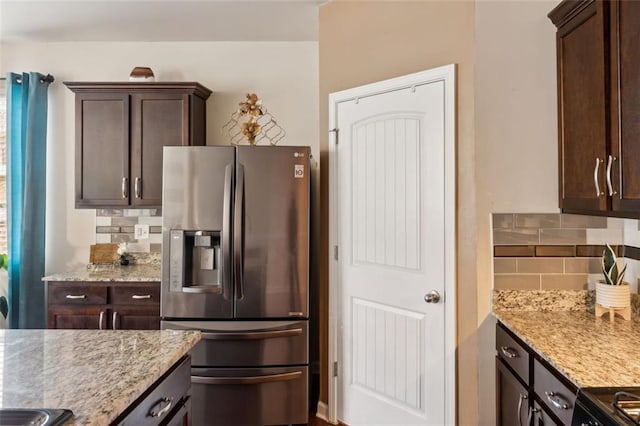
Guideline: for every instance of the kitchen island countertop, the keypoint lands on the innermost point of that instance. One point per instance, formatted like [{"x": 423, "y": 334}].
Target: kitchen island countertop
[
  {"x": 96, "y": 374},
  {"x": 131, "y": 273},
  {"x": 589, "y": 351}
]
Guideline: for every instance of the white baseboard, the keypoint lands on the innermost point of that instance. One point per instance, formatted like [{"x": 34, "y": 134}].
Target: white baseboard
[{"x": 322, "y": 412}]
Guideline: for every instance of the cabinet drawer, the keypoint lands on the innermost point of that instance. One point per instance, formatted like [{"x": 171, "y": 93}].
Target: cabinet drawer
[
  {"x": 247, "y": 343},
  {"x": 153, "y": 407},
  {"x": 250, "y": 396},
  {"x": 557, "y": 396},
  {"x": 135, "y": 295},
  {"x": 512, "y": 353},
  {"x": 76, "y": 294}
]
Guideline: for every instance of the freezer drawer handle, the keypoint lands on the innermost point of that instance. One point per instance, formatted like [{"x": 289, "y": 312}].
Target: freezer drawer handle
[
  {"x": 256, "y": 335},
  {"x": 251, "y": 380}
]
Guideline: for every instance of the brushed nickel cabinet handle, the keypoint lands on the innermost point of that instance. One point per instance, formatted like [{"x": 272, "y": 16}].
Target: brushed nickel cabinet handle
[
  {"x": 76, "y": 296},
  {"x": 556, "y": 400},
  {"x": 595, "y": 176},
  {"x": 508, "y": 352},
  {"x": 138, "y": 187},
  {"x": 164, "y": 410},
  {"x": 609, "y": 185},
  {"x": 521, "y": 399},
  {"x": 101, "y": 325},
  {"x": 114, "y": 320},
  {"x": 141, "y": 296},
  {"x": 125, "y": 187}
]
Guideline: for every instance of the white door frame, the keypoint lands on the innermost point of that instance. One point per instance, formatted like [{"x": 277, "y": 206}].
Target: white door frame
[{"x": 446, "y": 74}]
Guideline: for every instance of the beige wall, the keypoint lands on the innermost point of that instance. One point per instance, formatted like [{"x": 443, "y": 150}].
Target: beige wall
[
  {"x": 283, "y": 74},
  {"x": 516, "y": 140},
  {"x": 363, "y": 42}
]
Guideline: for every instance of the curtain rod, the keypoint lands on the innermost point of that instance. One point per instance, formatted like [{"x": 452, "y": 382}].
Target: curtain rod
[{"x": 46, "y": 79}]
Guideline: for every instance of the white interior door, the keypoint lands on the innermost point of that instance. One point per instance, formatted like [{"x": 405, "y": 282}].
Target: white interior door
[{"x": 394, "y": 234}]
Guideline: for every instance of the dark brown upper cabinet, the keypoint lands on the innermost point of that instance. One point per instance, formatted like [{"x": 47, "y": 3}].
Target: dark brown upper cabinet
[
  {"x": 598, "y": 58},
  {"x": 120, "y": 131}
]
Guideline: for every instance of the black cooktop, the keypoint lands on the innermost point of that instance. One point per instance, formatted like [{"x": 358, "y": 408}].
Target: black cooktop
[{"x": 607, "y": 407}]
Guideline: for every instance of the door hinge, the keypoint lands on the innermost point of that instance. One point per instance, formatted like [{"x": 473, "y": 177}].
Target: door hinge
[
  {"x": 336, "y": 131},
  {"x": 335, "y": 369},
  {"x": 335, "y": 252}
]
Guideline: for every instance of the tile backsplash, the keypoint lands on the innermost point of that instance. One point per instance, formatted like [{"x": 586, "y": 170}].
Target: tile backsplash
[
  {"x": 117, "y": 226},
  {"x": 559, "y": 251}
]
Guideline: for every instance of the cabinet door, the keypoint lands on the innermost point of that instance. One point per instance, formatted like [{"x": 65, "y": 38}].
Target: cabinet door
[
  {"x": 625, "y": 131},
  {"x": 540, "y": 417},
  {"x": 159, "y": 119},
  {"x": 512, "y": 398},
  {"x": 102, "y": 149},
  {"x": 582, "y": 111},
  {"x": 135, "y": 318},
  {"x": 77, "y": 317}
]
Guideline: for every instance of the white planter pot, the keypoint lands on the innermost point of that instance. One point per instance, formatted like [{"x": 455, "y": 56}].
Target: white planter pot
[{"x": 613, "y": 296}]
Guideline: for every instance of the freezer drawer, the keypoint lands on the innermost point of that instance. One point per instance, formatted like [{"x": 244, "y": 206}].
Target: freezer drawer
[
  {"x": 247, "y": 343},
  {"x": 249, "y": 396}
]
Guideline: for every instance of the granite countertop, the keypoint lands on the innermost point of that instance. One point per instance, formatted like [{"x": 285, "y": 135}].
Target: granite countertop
[
  {"x": 96, "y": 374},
  {"x": 589, "y": 351},
  {"x": 145, "y": 272}
]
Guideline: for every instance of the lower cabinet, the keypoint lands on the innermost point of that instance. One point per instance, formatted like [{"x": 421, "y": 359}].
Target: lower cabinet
[
  {"x": 528, "y": 390},
  {"x": 166, "y": 402},
  {"x": 512, "y": 397},
  {"x": 103, "y": 305}
]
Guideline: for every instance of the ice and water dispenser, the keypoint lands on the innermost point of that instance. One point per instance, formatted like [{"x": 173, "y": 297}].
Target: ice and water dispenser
[{"x": 195, "y": 261}]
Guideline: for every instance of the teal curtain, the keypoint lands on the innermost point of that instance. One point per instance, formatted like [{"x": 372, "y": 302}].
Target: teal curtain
[{"x": 26, "y": 196}]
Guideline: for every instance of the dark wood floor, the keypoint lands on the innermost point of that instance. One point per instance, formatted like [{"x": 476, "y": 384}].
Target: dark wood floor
[{"x": 314, "y": 421}]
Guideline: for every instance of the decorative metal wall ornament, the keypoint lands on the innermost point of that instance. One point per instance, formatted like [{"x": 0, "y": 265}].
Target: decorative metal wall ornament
[{"x": 259, "y": 126}]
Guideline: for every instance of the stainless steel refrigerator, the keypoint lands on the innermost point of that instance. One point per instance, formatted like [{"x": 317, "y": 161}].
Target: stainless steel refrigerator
[{"x": 235, "y": 265}]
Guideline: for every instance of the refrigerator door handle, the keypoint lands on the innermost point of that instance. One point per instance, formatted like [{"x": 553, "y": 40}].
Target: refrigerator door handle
[
  {"x": 256, "y": 335},
  {"x": 238, "y": 230},
  {"x": 250, "y": 380},
  {"x": 226, "y": 233}
]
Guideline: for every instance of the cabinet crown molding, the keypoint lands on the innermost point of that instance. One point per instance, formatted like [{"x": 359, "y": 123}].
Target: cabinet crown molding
[
  {"x": 194, "y": 88},
  {"x": 566, "y": 10}
]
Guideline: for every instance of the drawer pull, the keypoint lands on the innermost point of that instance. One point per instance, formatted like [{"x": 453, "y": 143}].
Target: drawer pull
[
  {"x": 557, "y": 401},
  {"x": 250, "y": 380},
  {"x": 164, "y": 410},
  {"x": 76, "y": 296},
  {"x": 256, "y": 335},
  {"x": 114, "y": 320},
  {"x": 508, "y": 352},
  {"x": 141, "y": 296}
]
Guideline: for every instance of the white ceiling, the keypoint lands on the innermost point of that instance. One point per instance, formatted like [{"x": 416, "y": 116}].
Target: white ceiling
[{"x": 159, "y": 20}]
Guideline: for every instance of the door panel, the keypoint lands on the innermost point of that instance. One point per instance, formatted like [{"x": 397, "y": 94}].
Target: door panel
[
  {"x": 512, "y": 398},
  {"x": 275, "y": 243},
  {"x": 160, "y": 119},
  {"x": 249, "y": 396},
  {"x": 102, "y": 149},
  {"x": 391, "y": 221},
  {"x": 77, "y": 317},
  {"x": 625, "y": 138},
  {"x": 197, "y": 197},
  {"x": 582, "y": 111}
]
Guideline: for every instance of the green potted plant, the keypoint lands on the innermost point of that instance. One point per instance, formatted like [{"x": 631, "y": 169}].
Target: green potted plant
[
  {"x": 4, "y": 283},
  {"x": 612, "y": 292}
]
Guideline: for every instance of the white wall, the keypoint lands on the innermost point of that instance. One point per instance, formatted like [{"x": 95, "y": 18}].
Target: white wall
[
  {"x": 516, "y": 140},
  {"x": 283, "y": 74}
]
